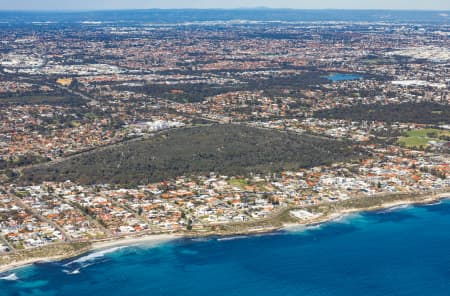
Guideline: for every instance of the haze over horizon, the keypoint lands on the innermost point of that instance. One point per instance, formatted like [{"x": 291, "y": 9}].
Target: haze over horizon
[{"x": 231, "y": 4}]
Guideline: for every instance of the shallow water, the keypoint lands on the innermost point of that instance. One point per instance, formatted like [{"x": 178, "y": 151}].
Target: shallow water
[{"x": 405, "y": 251}]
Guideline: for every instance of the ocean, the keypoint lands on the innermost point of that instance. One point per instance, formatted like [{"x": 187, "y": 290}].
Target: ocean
[{"x": 400, "y": 251}]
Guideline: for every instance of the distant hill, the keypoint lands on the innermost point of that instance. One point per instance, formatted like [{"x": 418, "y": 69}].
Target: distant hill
[{"x": 225, "y": 149}]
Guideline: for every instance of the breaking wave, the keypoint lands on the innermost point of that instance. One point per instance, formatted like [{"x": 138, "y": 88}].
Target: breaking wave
[
  {"x": 75, "y": 266},
  {"x": 10, "y": 277}
]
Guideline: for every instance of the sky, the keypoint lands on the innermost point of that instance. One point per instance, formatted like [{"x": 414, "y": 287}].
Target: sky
[{"x": 301, "y": 4}]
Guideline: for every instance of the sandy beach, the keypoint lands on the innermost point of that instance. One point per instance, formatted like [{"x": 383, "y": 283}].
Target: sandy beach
[
  {"x": 153, "y": 239},
  {"x": 130, "y": 241},
  {"x": 388, "y": 205},
  {"x": 24, "y": 263}
]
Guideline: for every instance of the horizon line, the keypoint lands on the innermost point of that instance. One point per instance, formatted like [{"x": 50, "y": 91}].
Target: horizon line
[{"x": 218, "y": 8}]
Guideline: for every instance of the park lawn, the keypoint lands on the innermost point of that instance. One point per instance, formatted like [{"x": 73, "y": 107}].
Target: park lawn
[{"x": 421, "y": 137}]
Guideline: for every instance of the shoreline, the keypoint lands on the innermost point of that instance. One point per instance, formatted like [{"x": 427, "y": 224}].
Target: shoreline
[
  {"x": 94, "y": 246},
  {"x": 131, "y": 241},
  {"x": 429, "y": 199},
  {"x": 162, "y": 238}
]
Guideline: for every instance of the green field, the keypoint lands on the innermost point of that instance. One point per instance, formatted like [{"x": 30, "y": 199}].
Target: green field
[{"x": 422, "y": 137}]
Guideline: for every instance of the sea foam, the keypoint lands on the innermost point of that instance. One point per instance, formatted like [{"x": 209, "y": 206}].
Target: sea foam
[
  {"x": 395, "y": 208},
  {"x": 75, "y": 271},
  {"x": 228, "y": 238},
  {"x": 88, "y": 260},
  {"x": 10, "y": 277}
]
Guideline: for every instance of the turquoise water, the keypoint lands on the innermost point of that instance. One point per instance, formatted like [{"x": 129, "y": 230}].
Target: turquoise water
[
  {"x": 343, "y": 77},
  {"x": 394, "y": 252}
]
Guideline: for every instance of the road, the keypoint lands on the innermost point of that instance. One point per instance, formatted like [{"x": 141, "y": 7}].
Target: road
[{"x": 42, "y": 218}]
